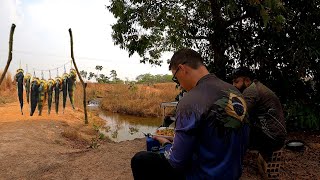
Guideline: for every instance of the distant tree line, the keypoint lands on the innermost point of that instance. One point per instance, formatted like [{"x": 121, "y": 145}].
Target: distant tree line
[
  {"x": 113, "y": 77},
  {"x": 151, "y": 79},
  {"x": 101, "y": 78}
]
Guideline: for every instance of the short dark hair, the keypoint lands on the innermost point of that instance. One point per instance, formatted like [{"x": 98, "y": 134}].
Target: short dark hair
[
  {"x": 186, "y": 56},
  {"x": 242, "y": 72}
]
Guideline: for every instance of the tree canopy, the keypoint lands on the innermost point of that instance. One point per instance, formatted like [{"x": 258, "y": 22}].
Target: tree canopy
[{"x": 278, "y": 39}]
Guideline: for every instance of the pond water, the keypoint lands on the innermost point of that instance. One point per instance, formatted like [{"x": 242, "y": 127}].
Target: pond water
[{"x": 123, "y": 127}]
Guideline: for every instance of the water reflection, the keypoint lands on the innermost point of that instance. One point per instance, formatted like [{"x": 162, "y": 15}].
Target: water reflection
[{"x": 124, "y": 127}]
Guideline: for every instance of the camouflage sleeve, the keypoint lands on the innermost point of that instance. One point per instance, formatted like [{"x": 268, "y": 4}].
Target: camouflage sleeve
[{"x": 251, "y": 96}]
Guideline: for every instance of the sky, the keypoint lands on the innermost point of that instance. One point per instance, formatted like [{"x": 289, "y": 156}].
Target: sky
[{"x": 42, "y": 43}]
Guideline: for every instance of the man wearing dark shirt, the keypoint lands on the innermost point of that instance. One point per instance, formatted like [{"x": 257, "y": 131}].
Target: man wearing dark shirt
[
  {"x": 268, "y": 129},
  {"x": 211, "y": 132}
]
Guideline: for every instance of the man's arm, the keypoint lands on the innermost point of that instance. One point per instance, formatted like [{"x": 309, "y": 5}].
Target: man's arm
[
  {"x": 250, "y": 95},
  {"x": 179, "y": 154}
]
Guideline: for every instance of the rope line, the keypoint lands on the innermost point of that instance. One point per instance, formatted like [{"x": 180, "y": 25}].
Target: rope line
[{"x": 63, "y": 65}]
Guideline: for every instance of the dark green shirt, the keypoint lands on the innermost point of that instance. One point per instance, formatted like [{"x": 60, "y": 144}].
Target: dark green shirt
[{"x": 265, "y": 110}]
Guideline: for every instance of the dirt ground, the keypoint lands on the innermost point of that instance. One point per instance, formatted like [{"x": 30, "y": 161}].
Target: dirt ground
[
  {"x": 57, "y": 147},
  {"x": 296, "y": 165}
]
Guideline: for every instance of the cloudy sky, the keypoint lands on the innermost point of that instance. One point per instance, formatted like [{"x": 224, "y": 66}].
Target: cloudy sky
[{"x": 41, "y": 38}]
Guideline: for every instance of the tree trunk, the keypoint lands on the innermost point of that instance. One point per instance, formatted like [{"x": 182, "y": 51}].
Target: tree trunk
[
  {"x": 13, "y": 26},
  {"x": 217, "y": 41}
]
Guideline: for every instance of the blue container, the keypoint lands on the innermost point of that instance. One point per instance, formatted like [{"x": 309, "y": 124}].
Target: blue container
[{"x": 152, "y": 144}]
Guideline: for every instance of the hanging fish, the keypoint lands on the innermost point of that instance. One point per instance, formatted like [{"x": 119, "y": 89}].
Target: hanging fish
[
  {"x": 34, "y": 94},
  {"x": 27, "y": 79},
  {"x": 19, "y": 79},
  {"x": 51, "y": 84},
  {"x": 72, "y": 85},
  {"x": 42, "y": 95},
  {"x": 57, "y": 89},
  {"x": 64, "y": 89}
]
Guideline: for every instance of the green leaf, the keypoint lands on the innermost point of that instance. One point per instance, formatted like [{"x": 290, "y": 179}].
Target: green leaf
[{"x": 265, "y": 16}]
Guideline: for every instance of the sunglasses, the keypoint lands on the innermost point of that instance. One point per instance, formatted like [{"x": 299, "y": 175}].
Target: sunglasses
[{"x": 174, "y": 78}]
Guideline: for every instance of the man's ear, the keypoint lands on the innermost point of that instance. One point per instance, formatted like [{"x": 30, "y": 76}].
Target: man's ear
[
  {"x": 183, "y": 68},
  {"x": 247, "y": 81}
]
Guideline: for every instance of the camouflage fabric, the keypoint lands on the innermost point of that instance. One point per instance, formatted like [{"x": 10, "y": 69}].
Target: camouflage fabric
[{"x": 231, "y": 110}]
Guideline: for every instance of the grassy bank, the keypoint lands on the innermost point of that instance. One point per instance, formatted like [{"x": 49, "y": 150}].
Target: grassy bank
[
  {"x": 7, "y": 90},
  {"x": 139, "y": 100}
]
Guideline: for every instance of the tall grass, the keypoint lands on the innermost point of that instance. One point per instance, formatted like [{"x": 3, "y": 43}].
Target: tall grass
[
  {"x": 139, "y": 100},
  {"x": 7, "y": 88},
  {"x": 7, "y": 84},
  {"x": 92, "y": 93}
]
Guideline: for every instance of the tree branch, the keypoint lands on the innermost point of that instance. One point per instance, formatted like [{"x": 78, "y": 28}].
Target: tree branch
[
  {"x": 13, "y": 26},
  {"x": 197, "y": 37},
  {"x": 84, "y": 85},
  {"x": 236, "y": 19},
  {"x": 215, "y": 11}
]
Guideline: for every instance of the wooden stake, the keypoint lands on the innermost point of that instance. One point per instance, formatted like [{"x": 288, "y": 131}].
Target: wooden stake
[
  {"x": 13, "y": 26},
  {"x": 84, "y": 85}
]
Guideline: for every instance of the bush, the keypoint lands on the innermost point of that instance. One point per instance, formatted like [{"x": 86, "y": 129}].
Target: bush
[{"x": 302, "y": 116}]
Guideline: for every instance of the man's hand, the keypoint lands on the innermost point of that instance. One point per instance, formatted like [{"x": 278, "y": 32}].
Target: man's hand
[{"x": 163, "y": 140}]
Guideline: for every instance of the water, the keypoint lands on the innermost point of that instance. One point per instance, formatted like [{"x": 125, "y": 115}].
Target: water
[{"x": 123, "y": 127}]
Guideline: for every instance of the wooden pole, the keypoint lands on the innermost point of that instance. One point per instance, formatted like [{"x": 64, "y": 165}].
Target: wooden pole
[
  {"x": 84, "y": 85},
  {"x": 13, "y": 26}
]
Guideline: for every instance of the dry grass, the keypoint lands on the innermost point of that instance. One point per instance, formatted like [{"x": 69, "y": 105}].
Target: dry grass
[
  {"x": 139, "y": 100},
  {"x": 83, "y": 135},
  {"x": 71, "y": 134},
  {"x": 7, "y": 88},
  {"x": 7, "y": 83}
]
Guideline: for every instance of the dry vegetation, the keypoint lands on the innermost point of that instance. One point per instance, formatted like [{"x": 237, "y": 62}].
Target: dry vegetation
[
  {"x": 7, "y": 90},
  {"x": 139, "y": 100},
  {"x": 84, "y": 135}
]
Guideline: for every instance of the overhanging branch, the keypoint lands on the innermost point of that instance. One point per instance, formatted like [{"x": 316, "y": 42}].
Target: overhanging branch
[
  {"x": 237, "y": 19},
  {"x": 197, "y": 37}
]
